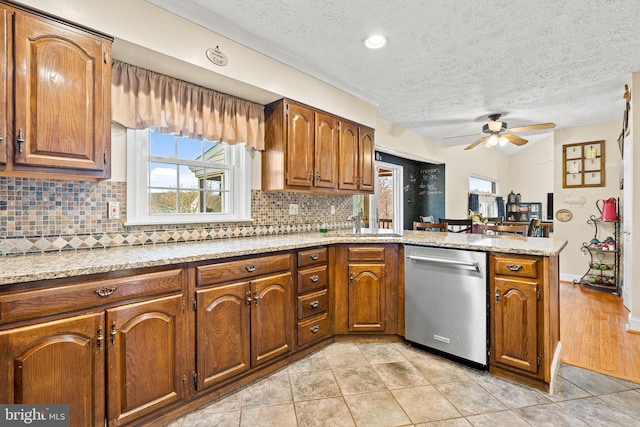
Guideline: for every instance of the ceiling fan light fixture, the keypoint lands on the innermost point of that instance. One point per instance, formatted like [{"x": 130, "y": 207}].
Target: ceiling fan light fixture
[
  {"x": 375, "y": 41},
  {"x": 502, "y": 141},
  {"x": 492, "y": 141},
  {"x": 495, "y": 126}
]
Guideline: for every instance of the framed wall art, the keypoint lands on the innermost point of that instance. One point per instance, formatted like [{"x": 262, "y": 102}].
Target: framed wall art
[{"x": 583, "y": 164}]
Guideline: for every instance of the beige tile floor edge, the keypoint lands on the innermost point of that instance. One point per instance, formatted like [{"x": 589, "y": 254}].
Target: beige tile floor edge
[{"x": 392, "y": 384}]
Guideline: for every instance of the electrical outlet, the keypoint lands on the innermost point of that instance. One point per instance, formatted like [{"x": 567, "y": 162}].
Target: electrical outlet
[
  {"x": 333, "y": 209},
  {"x": 293, "y": 209},
  {"x": 113, "y": 210}
]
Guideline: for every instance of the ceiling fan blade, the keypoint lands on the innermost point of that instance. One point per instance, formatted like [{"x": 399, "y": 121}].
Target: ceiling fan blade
[
  {"x": 515, "y": 139},
  {"x": 462, "y": 136},
  {"x": 528, "y": 128},
  {"x": 478, "y": 142}
]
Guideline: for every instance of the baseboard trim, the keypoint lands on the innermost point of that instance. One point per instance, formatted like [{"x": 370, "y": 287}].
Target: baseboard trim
[{"x": 634, "y": 324}]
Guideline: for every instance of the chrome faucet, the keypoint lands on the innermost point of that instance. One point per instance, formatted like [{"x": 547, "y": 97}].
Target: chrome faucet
[{"x": 356, "y": 222}]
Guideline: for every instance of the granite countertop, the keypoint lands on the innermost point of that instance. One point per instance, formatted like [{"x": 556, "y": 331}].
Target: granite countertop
[{"x": 29, "y": 268}]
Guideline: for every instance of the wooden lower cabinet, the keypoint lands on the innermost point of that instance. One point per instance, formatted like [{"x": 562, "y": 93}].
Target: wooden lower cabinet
[
  {"x": 366, "y": 289},
  {"x": 145, "y": 348},
  {"x": 524, "y": 318},
  {"x": 242, "y": 325},
  {"x": 58, "y": 362}
]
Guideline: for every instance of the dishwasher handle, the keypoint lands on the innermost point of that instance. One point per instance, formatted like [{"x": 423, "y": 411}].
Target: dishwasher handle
[{"x": 454, "y": 262}]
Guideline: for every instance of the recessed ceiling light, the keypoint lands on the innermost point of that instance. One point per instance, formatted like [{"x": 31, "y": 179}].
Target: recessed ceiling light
[{"x": 375, "y": 42}]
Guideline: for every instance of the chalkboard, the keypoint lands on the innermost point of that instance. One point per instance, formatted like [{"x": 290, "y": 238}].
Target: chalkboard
[{"x": 424, "y": 188}]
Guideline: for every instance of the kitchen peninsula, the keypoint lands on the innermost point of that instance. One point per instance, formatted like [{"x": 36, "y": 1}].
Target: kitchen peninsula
[{"x": 256, "y": 303}]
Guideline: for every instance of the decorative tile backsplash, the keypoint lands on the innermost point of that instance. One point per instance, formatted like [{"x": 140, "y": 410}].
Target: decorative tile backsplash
[{"x": 38, "y": 215}]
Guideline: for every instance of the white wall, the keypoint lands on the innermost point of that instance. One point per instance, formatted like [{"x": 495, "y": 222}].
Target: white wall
[
  {"x": 395, "y": 140},
  {"x": 573, "y": 262},
  {"x": 480, "y": 162},
  {"x": 531, "y": 173}
]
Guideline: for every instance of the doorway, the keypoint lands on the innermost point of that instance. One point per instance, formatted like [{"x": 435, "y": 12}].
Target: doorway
[{"x": 383, "y": 211}]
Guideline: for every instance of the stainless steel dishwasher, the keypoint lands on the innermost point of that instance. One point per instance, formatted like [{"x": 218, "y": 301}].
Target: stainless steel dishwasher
[{"x": 446, "y": 301}]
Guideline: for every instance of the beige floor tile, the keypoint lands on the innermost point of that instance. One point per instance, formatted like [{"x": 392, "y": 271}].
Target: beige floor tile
[
  {"x": 453, "y": 422},
  {"x": 469, "y": 398},
  {"x": 313, "y": 385},
  {"x": 358, "y": 379},
  {"x": 399, "y": 374},
  {"x": 376, "y": 409},
  {"x": 313, "y": 362},
  {"x": 511, "y": 394},
  {"x": 343, "y": 355},
  {"x": 424, "y": 404},
  {"x": 495, "y": 419},
  {"x": 598, "y": 413},
  {"x": 626, "y": 401},
  {"x": 550, "y": 415},
  {"x": 271, "y": 390},
  {"x": 275, "y": 415},
  {"x": 218, "y": 419},
  {"x": 232, "y": 402},
  {"x": 438, "y": 371},
  {"x": 380, "y": 353},
  {"x": 324, "y": 413}
]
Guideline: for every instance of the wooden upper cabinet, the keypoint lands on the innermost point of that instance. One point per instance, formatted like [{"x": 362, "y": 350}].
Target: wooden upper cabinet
[
  {"x": 4, "y": 96},
  {"x": 309, "y": 150},
  {"x": 326, "y": 151},
  {"x": 300, "y": 146},
  {"x": 59, "y": 362},
  {"x": 356, "y": 158},
  {"x": 62, "y": 97}
]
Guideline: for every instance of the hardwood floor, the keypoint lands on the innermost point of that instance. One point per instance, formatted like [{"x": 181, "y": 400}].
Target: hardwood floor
[{"x": 593, "y": 335}]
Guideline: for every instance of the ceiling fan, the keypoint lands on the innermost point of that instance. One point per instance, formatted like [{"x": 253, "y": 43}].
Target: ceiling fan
[{"x": 498, "y": 133}]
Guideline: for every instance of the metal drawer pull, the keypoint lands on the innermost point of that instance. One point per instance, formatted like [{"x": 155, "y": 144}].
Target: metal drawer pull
[
  {"x": 314, "y": 304},
  {"x": 314, "y": 256},
  {"x": 250, "y": 268},
  {"x": 314, "y": 278},
  {"x": 314, "y": 329},
  {"x": 514, "y": 267},
  {"x": 105, "y": 292},
  {"x": 20, "y": 140}
]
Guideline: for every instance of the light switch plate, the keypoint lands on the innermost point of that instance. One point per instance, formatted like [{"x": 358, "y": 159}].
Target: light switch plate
[
  {"x": 293, "y": 209},
  {"x": 113, "y": 210},
  {"x": 333, "y": 209}
]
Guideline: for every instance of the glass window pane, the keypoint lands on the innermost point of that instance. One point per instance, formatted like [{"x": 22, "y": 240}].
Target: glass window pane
[
  {"x": 189, "y": 149},
  {"x": 215, "y": 179},
  {"x": 214, "y": 201},
  {"x": 481, "y": 185},
  {"x": 162, "y": 201},
  {"x": 190, "y": 176},
  {"x": 189, "y": 201},
  {"x": 162, "y": 175},
  {"x": 161, "y": 145}
]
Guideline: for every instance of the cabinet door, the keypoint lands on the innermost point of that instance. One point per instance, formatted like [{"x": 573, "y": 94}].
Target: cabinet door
[
  {"x": 59, "y": 362},
  {"x": 223, "y": 341},
  {"x": 62, "y": 95},
  {"x": 4, "y": 38},
  {"x": 300, "y": 146},
  {"x": 366, "y": 297},
  {"x": 348, "y": 157},
  {"x": 145, "y": 357},
  {"x": 515, "y": 323},
  {"x": 326, "y": 151},
  {"x": 366, "y": 160},
  {"x": 271, "y": 317}
]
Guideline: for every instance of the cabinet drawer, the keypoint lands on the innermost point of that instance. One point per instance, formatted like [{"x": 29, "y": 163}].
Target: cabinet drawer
[
  {"x": 42, "y": 302},
  {"x": 312, "y": 329},
  {"x": 312, "y": 257},
  {"x": 366, "y": 253},
  {"x": 312, "y": 304},
  {"x": 241, "y": 269},
  {"x": 521, "y": 267},
  {"x": 310, "y": 279}
]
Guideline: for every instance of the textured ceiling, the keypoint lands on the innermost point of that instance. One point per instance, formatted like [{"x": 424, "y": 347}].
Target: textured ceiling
[{"x": 447, "y": 63}]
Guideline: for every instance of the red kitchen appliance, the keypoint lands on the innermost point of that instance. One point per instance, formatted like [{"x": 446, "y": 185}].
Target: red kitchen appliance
[{"x": 608, "y": 210}]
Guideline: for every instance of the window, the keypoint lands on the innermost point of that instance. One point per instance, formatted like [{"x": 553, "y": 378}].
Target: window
[
  {"x": 172, "y": 179},
  {"x": 486, "y": 191}
]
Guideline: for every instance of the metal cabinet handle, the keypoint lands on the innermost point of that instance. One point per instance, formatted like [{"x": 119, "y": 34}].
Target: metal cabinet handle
[
  {"x": 314, "y": 278},
  {"x": 497, "y": 294},
  {"x": 314, "y": 304},
  {"x": 250, "y": 268},
  {"x": 314, "y": 256},
  {"x": 314, "y": 329},
  {"x": 514, "y": 267},
  {"x": 100, "y": 338},
  {"x": 255, "y": 297},
  {"x": 113, "y": 333},
  {"x": 105, "y": 292},
  {"x": 248, "y": 298},
  {"x": 20, "y": 140}
]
